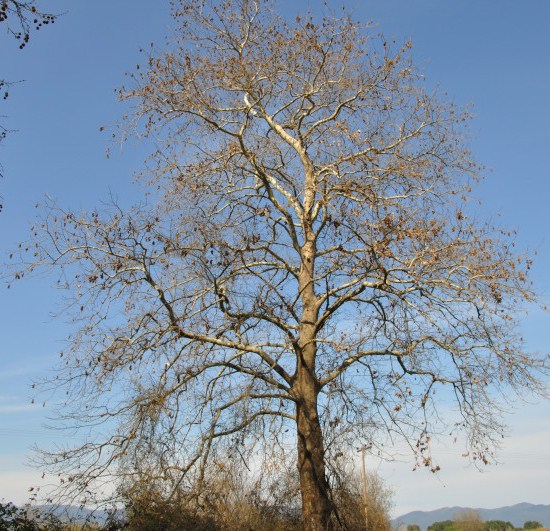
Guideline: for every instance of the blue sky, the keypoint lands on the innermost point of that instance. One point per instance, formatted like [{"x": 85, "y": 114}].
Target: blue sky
[{"x": 492, "y": 54}]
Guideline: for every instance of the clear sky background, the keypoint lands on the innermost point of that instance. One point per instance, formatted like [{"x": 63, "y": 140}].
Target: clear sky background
[{"x": 494, "y": 54}]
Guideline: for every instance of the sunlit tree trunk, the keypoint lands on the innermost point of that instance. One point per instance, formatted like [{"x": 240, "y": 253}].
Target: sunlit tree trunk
[{"x": 316, "y": 504}]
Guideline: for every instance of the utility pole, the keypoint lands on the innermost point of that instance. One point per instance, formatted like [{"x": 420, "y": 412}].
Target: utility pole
[{"x": 365, "y": 496}]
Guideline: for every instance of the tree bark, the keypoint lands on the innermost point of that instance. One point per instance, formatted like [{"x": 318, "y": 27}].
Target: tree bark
[{"x": 316, "y": 503}]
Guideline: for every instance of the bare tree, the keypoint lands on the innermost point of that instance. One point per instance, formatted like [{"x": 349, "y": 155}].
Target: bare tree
[
  {"x": 468, "y": 520},
  {"x": 305, "y": 269}
]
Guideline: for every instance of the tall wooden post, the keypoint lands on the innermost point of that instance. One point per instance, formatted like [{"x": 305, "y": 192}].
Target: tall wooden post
[{"x": 365, "y": 495}]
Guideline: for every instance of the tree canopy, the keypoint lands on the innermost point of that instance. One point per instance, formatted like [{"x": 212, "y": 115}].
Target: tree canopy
[{"x": 532, "y": 524}]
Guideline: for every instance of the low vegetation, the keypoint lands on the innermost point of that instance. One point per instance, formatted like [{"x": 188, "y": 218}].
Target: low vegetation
[
  {"x": 471, "y": 521},
  {"x": 29, "y": 518},
  {"x": 228, "y": 497}
]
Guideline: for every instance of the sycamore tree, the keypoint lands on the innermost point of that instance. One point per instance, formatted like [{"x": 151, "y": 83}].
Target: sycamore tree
[{"x": 303, "y": 270}]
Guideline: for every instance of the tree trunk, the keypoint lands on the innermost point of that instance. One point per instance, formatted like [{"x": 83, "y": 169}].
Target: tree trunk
[{"x": 316, "y": 503}]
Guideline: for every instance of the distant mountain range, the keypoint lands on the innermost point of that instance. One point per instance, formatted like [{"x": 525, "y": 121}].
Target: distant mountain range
[
  {"x": 516, "y": 514},
  {"x": 75, "y": 514}
]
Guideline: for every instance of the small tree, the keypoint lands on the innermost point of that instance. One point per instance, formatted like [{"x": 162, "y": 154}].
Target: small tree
[
  {"x": 468, "y": 521},
  {"x": 532, "y": 524},
  {"x": 446, "y": 525},
  {"x": 309, "y": 272},
  {"x": 498, "y": 525}
]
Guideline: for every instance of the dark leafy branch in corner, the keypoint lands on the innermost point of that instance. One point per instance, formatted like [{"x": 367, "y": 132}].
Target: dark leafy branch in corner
[
  {"x": 23, "y": 17},
  {"x": 20, "y": 19}
]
